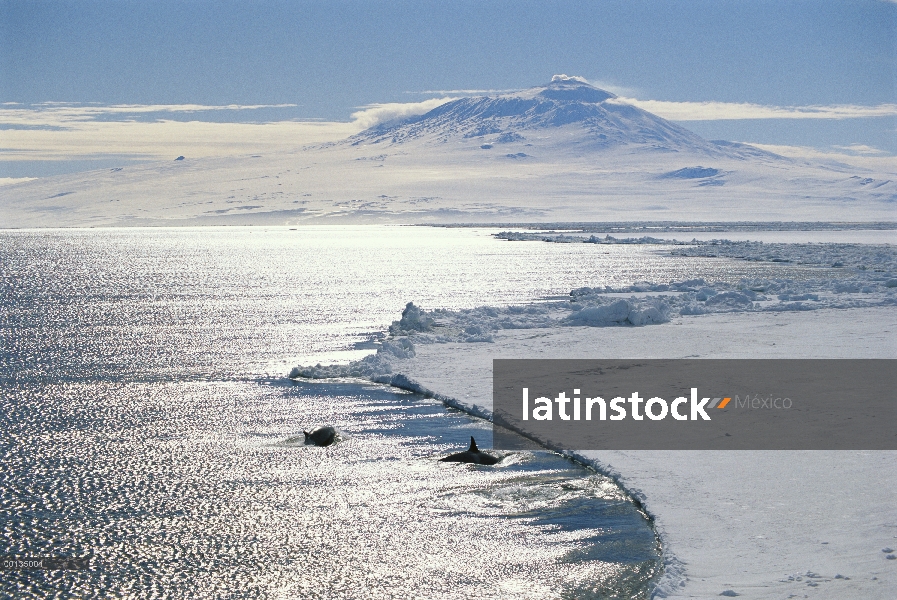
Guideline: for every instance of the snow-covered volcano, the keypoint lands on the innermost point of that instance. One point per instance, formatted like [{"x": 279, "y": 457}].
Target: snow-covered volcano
[
  {"x": 564, "y": 151},
  {"x": 568, "y": 111}
]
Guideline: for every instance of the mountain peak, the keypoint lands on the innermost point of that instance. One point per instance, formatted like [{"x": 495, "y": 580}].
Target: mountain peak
[
  {"x": 568, "y": 111},
  {"x": 569, "y": 88}
]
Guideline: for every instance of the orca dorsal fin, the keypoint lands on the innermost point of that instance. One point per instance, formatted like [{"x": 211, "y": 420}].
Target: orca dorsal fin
[{"x": 473, "y": 445}]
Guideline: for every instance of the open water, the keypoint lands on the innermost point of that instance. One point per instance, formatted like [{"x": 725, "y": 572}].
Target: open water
[{"x": 149, "y": 427}]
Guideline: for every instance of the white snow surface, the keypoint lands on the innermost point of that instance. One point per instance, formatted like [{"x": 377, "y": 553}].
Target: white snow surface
[
  {"x": 756, "y": 524},
  {"x": 753, "y": 522},
  {"x": 560, "y": 152}
]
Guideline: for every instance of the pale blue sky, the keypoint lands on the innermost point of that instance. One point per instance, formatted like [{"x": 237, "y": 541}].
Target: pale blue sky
[{"x": 328, "y": 58}]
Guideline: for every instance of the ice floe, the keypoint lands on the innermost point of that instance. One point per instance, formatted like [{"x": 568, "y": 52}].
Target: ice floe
[{"x": 849, "y": 276}]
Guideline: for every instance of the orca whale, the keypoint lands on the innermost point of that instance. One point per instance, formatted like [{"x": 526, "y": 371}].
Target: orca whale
[
  {"x": 471, "y": 455},
  {"x": 320, "y": 436}
]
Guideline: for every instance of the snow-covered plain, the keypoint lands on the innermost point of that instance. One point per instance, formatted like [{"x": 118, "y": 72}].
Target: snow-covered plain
[
  {"x": 565, "y": 151},
  {"x": 774, "y": 524},
  {"x": 376, "y": 183}
]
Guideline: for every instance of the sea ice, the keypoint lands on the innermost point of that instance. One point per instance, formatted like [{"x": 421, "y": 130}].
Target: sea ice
[{"x": 756, "y": 524}]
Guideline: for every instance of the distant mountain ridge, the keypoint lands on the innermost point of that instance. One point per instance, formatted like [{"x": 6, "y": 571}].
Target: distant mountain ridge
[{"x": 597, "y": 118}]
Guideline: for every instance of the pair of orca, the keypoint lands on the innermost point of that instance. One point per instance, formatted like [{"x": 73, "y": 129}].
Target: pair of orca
[{"x": 325, "y": 435}]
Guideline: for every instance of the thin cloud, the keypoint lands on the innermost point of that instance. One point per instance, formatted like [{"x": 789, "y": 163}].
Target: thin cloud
[
  {"x": 94, "y": 107},
  {"x": 883, "y": 163},
  {"x": 61, "y": 131},
  {"x": 61, "y": 114},
  {"x": 619, "y": 90},
  {"x": 375, "y": 114},
  {"x": 723, "y": 111},
  {"x": 165, "y": 139},
  {"x": 565, "y": 77},
  {"x": 861, "y": 149},
  {"x": 14, "y": 180}
]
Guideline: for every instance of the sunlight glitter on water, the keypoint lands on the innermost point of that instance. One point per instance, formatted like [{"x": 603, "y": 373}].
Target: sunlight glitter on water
[
  {"x": 228, "y": 302},
  {"x": 198, "y": 488},
  {"x": 142, "y": 428}
]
